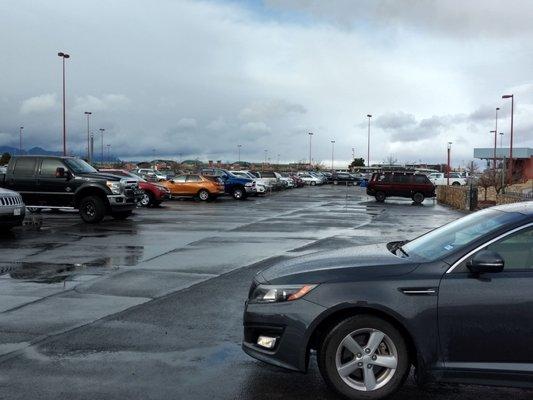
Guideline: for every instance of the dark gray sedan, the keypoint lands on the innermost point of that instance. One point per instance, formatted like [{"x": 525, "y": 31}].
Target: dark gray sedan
[{"x": 455, "y": 303}]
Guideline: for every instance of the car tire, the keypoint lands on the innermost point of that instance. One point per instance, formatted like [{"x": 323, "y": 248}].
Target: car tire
[
  {"x": 418, "y": 198},
  {"x": 120, "y": 215},
  {"x": 147, "y": 200},
  {"x": 92, "y": 209},
  {"x": 238, "y": 193},
  {"x": 456, "y": 183},
  {"x": 203, "y": 195},
  {"x": 380, "y": 197},
  {"x": 356, "y": 383},
  {"x": 312, "y": 183}
]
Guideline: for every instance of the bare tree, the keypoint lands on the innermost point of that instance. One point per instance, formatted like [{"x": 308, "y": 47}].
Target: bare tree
[
  {"x": 391, "y": 160},
  {"x": 472, "y": 168}
]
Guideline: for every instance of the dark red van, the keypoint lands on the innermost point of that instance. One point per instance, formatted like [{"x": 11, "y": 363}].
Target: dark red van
[{"x": 400, "y": 184}]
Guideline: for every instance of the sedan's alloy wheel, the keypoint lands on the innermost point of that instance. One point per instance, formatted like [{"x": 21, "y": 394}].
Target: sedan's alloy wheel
[
  {"x": 366, "y": 359},
  {"x": 145, "y": 200}
]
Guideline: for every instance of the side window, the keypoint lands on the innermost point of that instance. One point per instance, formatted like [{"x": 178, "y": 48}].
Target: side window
[
  {"x": 193, "y": 178},
  {"x": 25, "y": 166},
  {"x": 385, "y": 178},
  {"x": 397, "y": 179},
  {"x": 516, "y": 250},
  {"x": 179, "y": 179},
  {"x": 49, "y": 167},
  {"x": 420, "y": 179}
]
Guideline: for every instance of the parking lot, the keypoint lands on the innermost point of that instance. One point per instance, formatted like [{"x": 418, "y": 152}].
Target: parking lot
[{"x": 151, "y": 307}]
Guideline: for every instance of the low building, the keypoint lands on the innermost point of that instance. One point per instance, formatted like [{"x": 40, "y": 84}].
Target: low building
[{"x": 522, "y": 159}]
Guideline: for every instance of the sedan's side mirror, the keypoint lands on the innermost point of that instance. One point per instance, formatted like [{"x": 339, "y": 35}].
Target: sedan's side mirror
[{"x": 486, "y": 261}]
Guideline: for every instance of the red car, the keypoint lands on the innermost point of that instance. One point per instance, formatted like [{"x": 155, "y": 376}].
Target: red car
[
  {"x": 154, "y": 193},
  {"x": 400, "y": 184}
]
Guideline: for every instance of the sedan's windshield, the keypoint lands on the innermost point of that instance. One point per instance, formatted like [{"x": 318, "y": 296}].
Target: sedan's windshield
[
  {"x": 458, "y": 234},
  {"x": 79, "y": 166}
]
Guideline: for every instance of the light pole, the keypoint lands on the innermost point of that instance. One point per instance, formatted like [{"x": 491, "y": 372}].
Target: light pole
[
  {"x": 102, "y": 130},
  {"x": 494, "y": 157},
  {"x": 332, "y": 153},
  {"x": 20, "y": 139},
  {"x": 448, "y": 168},
  {"x": 108, "y": 156},
  {"x": 239, "y": 151},
  {"x": 92, "y": 147},
  {"x": 310, "y": 136},
  {"x": 278, "y": 159},
  {"x": 501, "y": 140},
  {"x": 64, "y": 56},
  {"x": 368, "y": 140},
  {"x": 88, "y": 113},
  {"x": 353, "y": 153},
  {"x": 495, "y": 136},
  {"x": 511, "y": 96}
]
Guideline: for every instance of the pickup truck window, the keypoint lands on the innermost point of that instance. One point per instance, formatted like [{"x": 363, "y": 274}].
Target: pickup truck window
[
  {"x": 25, "y": 166},
  {"x": 49, "y": 167},
  {"x": 79, "y": 166}
]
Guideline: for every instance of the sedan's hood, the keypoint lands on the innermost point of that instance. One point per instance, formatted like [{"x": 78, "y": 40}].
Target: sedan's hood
[{"x": 358, "y": 262}]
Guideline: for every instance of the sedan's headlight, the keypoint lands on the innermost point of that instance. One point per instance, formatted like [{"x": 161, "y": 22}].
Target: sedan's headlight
[
  {"x": 115, "y": 187},
  {"x": 277, "y": 294}
]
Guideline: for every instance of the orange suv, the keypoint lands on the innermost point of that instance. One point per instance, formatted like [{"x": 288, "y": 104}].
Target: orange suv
[{"x": 194, "y": 185}]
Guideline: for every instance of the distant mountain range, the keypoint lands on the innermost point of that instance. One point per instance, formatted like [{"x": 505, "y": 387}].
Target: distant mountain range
[
  {"x": 34, "y": 151},
  {"x": 39, "y": 151}
]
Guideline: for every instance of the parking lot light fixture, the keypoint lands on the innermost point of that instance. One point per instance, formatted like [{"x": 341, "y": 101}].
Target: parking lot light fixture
[
  {"x": 239, "y": 151},
  {"x": 501, "y": 139},
  {"x": 64, "y": 56},
  {"x": 102, "y": 130},
  {"x": 494, "y": 156},
  {"x": 495, "y": 135},
  {"x": 369, "y": 116},
  {"x": 310, "y": 159},
  {"x": 332, "y": 153},
  {"x": 88, "y": 114},
  {"x": 448, "y": 164},
  {"x": 510, "y": 96},
  {"x": 20, "y": 139}
]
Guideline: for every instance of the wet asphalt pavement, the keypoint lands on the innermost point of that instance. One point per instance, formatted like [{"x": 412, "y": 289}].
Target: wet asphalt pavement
[{"x": 151, "y": 308}]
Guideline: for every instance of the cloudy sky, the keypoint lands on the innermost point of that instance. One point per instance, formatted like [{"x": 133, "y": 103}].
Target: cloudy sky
[{"x": 196, "y": 78}]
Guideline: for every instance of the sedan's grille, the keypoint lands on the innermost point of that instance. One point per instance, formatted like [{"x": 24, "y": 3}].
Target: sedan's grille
[{"x": 10, "y": 201}]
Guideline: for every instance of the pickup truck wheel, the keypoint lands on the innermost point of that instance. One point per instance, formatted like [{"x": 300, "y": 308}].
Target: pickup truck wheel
[
  {"x": 203, "y": 195},
  {"x": 238, "y": 193},
  {"x": 380, "y": 197},
  {"x": 456, "y": 184},
  {"x": 418, "y": 198},
  {"x": 121, "y": 214},
  {"x": 92, "y": 209}
]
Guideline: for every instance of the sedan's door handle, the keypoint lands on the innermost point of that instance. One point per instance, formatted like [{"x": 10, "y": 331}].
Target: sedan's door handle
[{"x": 419, "y": 291}]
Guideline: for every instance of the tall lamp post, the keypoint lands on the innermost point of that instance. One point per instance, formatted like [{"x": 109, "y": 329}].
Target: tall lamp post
[
  {"x": 102, "y": 130},
  {"x": 332, "y": 153},
  {"x": 108, "y": 156},
  {"x": 20, "y": 139},
  {"x": 88, "y": 114},
  {"x": 91, "y": 151},
  {"x": 368, "y": 140},
  {"x": 448, "y": 166},
  {"x": 494, "y": 156},
  {"x": 239, "y": 151},
  {"x": 501, "y": 140},
  {"x": 64, "y": 56},
  {"x": 495, "y": 136},
  {"x": 310, "y": 159},
  {"x": 510, "y": 96}
]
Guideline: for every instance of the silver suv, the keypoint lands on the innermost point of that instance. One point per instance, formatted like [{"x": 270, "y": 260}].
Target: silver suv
[{"x": 12, "y": 209}]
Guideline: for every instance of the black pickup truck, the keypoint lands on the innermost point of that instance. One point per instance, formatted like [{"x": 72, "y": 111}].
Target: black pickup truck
[{"x": 68, "y": 182}]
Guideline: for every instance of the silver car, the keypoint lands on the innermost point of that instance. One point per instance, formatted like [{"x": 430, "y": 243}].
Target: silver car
[{"x": 12, "y": 209}]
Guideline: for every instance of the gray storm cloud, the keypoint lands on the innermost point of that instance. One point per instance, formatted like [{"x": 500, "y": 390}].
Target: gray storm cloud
[{"x": 197, "y": 78}]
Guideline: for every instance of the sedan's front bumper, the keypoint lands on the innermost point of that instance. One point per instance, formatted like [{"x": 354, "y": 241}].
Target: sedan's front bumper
[
  {"x": 12, "y": 215},
  {"x": 289, "y": 322}
]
